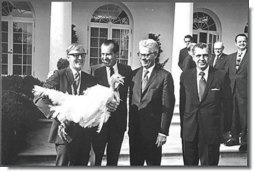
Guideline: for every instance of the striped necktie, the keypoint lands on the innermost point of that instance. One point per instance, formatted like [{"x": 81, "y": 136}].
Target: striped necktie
[
  {"x": 76, "y": 82},
  {"x": 202, "y": 85},
  {"x": 145, "y": 80}
]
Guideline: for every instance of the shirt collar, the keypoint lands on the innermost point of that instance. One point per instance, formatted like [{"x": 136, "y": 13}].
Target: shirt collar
[
  {"x": 150, "y": 69},
  {"x": 114, "y": 67},
  {"x": 75, "y": 71},
  {"x": 205, "y": 71}
]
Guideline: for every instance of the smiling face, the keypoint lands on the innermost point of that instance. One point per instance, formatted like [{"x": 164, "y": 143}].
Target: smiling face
[
  {"x": 218, "y": 48},
  {"x": 108, "y": 57},
  {"x": 147, "y": 57},
  {"x": 241, "y": 43},
  {"x": 76, "y": 60},
  {"x": 201, "y": 57}
]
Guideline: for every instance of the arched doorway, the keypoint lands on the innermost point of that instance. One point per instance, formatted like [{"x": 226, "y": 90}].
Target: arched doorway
[
  {"x": 110, "y": 21},
  {"x": 206, "y": 27},
  {"x": 17, "y": 37}
]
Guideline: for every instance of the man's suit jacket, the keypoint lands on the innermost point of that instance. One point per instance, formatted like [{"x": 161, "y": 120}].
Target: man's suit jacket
[
  {"x": 119, "y": 117},
  {"x": 221, "y": 62},
  {"x": 151, "y": 111},
  {"x": 183, "y": 53},
  {"x": 188, "y": 63},
  {"x": 61, "y": 80},
  {"x": 239, "y": 78},
  {"x": 202, "y": 117}
]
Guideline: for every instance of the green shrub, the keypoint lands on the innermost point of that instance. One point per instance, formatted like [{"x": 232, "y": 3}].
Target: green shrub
[{"x": 19, "y": 114}]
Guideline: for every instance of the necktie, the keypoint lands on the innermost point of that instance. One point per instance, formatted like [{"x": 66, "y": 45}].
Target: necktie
[
  {"x": 111, "y": 71},
  {"x": 202, "y": 85},
  {"x": 76, "y": 82},
  {"x": 238, "y": 60},
  {"x": 145, "y": 80}
]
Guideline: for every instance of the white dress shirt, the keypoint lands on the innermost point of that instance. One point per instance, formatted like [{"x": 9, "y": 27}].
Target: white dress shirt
[{"x": 108, "y": 71}]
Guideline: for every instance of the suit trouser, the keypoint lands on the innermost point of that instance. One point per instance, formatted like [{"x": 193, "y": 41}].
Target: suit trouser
[
  {"x": 111, "y": 136},
  {"x": 77, "y": 152},
  {"x": 239, "y": 119},
  {"x": 196, "y": 150},
  {"x": 142, "y": 150}
]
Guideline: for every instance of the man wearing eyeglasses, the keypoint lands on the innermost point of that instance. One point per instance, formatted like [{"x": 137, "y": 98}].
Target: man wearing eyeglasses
[
  {"x": 151, "y": 107},
  {"x": 203, "y": 93},
  {"x": 112, "y": 132},
  {"x": 184, "y": 52},
  {"x": 72, "y": 142}
]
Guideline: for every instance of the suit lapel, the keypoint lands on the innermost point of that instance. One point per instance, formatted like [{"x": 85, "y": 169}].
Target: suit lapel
[
  {"x": 103, "y": 78},
  {"x": 138, "y": 82},
  {"x": 193, "y": 85},
  {"x": 151, "y": 79},
  {"x": 243, "y": 61}
]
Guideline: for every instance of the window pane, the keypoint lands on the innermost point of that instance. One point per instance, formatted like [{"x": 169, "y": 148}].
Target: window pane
[
  {"x": 104, "y": 33},
  {"x": 94, "y": 42},
  {"x": 116, "y": 33},
  {"x": 203, "y": 37},
  {"x": 17, "y": 70},
  {"x": 27, "y": 28},
  {"x": 27, "y": 59},
  {"x": 4, "y": 58},
  {"x": 27, "y": 49},
  {"x": 27, "y": 38},
  {"x": 17, "y": 59},
  {"x": 4, "y": 37},
  {"x": 195, "y": 38},
  {"x": 94, "y": 32},
  {"x": 4, "y": 26},
  {"x": 4, "y": 47},
  {"x": 17, "y": 38},
  {"x": 93, "y": 61},
  {"x": 17, "y": 48},
  {"x": 94, "y": 52},
  {"x": 27, "y": 70},
  {"x": 4, "y": 69},
  {"x": 17, "y": 27}
]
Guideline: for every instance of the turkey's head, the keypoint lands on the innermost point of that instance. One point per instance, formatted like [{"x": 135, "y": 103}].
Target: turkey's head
[{"x": 116, "y": 79}]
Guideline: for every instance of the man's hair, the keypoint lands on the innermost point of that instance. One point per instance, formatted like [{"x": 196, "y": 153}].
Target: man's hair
[
  {"x": 188, "y": 36},
  {"x": 107, "y": 42},
  {"x": 219, "y": 42},
  {"x": 241, "y": 34},
  {"x": 190, "y": 47},
  {"x": 75, "y": 46},
  {"x": 149, "y": 43},
  {"x": 200, "y": 45}
]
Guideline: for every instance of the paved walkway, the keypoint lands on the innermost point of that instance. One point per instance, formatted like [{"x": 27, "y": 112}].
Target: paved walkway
[{"x": 172, "y": 153}]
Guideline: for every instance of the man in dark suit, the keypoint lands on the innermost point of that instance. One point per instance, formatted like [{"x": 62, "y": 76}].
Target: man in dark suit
[
  {"x": 238, "y": 66},
  {"x": 218, "y": 60},
  {"x": 151, "y": 105},
  {"x": 184, "y": 52},
  {"x": 112, "y": 133},
  {"x": 202, "y": 92},
  {"x": 72, "y": 142}
]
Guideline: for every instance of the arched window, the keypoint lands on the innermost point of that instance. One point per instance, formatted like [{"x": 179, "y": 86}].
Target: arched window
[
  {"x": 17, "y": 38},
  {"x": 110, "y": 21},
  {"x": 205, "y": 28}
]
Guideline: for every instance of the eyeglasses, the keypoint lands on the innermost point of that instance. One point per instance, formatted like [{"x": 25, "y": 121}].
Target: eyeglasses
[
  {"x": 83, "y": 55},
  {"x": 145, "y": 55}
]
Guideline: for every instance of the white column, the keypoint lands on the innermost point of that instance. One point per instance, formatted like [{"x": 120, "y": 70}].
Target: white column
[
  {"x": 183, "y": 22},
  {"x": 60, "y": 31}
]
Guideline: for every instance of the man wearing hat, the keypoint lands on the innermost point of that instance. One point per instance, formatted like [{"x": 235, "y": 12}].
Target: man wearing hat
[{"x": 72, "y": 142}]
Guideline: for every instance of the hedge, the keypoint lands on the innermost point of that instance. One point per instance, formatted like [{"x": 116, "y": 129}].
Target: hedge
[{"x": 19, "y": 114}]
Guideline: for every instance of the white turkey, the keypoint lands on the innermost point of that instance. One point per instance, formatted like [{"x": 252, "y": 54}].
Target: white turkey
[{"x": 89, "y": 109}]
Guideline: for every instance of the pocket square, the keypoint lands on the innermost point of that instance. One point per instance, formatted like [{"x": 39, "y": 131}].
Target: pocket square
[{"x": 215, "y": 89}]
